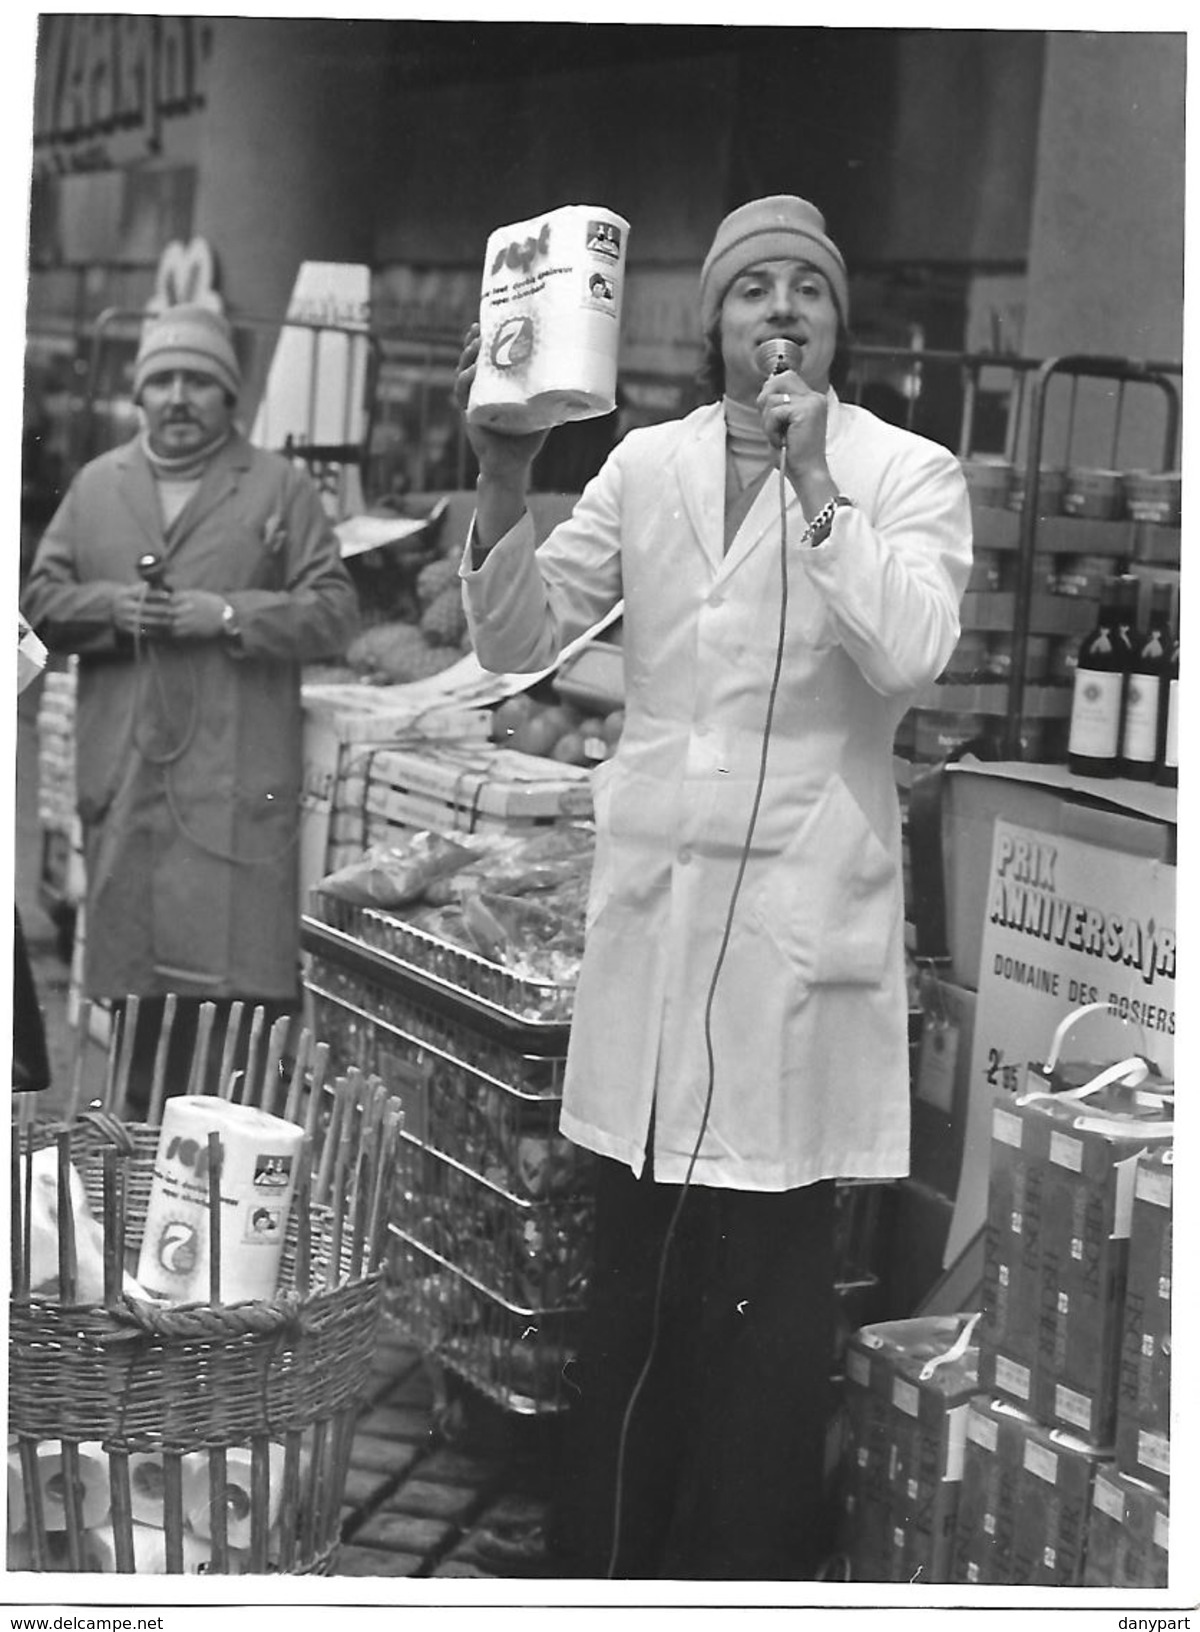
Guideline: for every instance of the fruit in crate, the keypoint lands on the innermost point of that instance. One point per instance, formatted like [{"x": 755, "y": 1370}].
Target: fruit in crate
[
  {"x": 443, "y": 622},
  {"x": 510, "y": 714},
  {"x": 434, "y": 579},
  {"x": 396, "y": 652}
]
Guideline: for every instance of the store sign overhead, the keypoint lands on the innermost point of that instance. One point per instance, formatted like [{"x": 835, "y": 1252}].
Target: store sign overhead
[{"x": 107, "y": 86}]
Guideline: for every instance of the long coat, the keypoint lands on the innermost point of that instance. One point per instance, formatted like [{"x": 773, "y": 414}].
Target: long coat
[
  {"x": 188, "y": 755},
  {"x": 808, "y": 1013}
]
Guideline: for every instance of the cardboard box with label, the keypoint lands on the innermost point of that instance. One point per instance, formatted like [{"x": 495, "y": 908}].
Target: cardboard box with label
[
  {"x": 1144, "y": 1394},
  {"x": 1128, "y": 1533},
  {"x": 907, "y": 1386},
  {"x": 1059, "y": 1213},
  {"x": 1024, "y": 1506}
]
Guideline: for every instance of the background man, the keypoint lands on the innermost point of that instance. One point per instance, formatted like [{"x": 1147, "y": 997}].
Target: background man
[
  {"x": 739, "y": 1035},
  {"x": 188, "y": 716}
]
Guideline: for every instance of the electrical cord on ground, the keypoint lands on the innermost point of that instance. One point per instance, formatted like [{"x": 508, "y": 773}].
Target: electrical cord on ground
[
  {"x": 146, "y": 660},
  {"x": 743, "y": 863}
]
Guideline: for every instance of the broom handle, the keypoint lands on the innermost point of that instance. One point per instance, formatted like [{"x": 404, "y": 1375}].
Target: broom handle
[
  {"x": 270, "y": 1076},
  {"x": 317, "y": 1087},
  {"x": 199, "y": 1071},
  {"x": 233, "y": 1028},
  {"x": 128, "y": 1038},
  {"x": 83, "y": 1023},
  {"x": 291, "y": 1111},
  {"x": 328, "y": 1150},
  {"x": 214, "y": 1217},
  {"x": 257, "y": 1021},
  {"x": 66, "y": 1221},
  {"x": 158, "y": 1084}
]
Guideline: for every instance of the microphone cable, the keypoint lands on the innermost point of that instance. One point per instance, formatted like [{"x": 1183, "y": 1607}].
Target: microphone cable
[
  {"x": 147, "y": 662},
  {"x": 743, "y": 863}
]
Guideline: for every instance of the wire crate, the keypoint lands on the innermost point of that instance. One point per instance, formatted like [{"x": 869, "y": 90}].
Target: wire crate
[
  {"x": 489, "y": 990},
  {"x": 519, "y": 1358},
  {"x": 492, "y": 1217}
]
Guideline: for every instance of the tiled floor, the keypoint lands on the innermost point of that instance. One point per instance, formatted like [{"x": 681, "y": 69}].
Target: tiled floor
[{"x": 442, "y": 1484}]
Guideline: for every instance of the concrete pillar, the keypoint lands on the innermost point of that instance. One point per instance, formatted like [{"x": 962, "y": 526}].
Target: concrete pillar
[
  {"x": 1106, "y": 246},
  {"x": 285, "y": 171}
]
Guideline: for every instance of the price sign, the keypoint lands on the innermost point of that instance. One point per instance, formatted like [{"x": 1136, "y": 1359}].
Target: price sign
[{"x": 1067, "y": 923}]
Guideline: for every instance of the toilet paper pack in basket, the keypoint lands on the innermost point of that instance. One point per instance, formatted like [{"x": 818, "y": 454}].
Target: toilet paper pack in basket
[{"x": 549, "y": 316}]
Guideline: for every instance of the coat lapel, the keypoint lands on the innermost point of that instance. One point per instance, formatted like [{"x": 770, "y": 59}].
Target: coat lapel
[
  {"x": 763, "y": 519},
  {"x": 219, "y": 481},
  {"x": 140, "y": 498},
  {"x": 700, "y": 467}
]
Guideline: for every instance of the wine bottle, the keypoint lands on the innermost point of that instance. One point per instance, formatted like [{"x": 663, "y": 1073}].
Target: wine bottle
[
  {"x": 1168, "y": 773},
  {"x": 1101, "y": 672},
  {"x": 1141, "y": 735}
]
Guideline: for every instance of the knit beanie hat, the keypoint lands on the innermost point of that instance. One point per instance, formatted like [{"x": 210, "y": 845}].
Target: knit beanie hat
[
  {"x": 770, "y": 229},
  {"x": 191, "y": 337}
]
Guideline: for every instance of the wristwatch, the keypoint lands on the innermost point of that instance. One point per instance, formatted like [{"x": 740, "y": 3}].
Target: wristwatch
[
  {"x": 230, "y": 627},
  {"x": 820, "y": 527}
]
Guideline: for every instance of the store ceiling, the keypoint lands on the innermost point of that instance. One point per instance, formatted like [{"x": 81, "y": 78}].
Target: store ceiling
[{"x": 425, "y": 52}]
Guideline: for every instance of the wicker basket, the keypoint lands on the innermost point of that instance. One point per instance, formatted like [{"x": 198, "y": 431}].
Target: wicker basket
[{"x": 212, "y": 1437}]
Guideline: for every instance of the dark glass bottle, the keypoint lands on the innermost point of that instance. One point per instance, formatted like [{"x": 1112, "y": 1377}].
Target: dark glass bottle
[
  {"x": 1168, "y": 772},
  {"x": 1141, "y": 735},
  {"x": 1101, "y": 673}
]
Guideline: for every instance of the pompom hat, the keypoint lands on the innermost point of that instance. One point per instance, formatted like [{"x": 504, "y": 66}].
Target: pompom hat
[
  {"x": 779, "y": 228},
  {"x": 190, "y": 337}
]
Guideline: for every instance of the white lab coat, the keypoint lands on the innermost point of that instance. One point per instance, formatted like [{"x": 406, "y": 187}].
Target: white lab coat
[{"x": 809, "y": 1016}]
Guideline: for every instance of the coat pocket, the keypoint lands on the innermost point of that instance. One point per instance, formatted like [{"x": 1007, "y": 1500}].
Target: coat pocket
[{"x": 831, "y": 897}]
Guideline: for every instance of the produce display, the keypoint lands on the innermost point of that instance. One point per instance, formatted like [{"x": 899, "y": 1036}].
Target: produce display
[
  {"x": 422, "y": 635},
  {"x": 515, "y": 902},
  {"x": 555, "y": 729}
]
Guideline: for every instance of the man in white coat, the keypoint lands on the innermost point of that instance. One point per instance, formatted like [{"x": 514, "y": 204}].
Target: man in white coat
[{"x": 791, "y": 569}]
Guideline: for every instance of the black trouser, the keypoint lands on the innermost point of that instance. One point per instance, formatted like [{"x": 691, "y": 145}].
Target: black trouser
[
  {"x": 723, "y": 1471},
  {"x": 182, "y": 1046}
]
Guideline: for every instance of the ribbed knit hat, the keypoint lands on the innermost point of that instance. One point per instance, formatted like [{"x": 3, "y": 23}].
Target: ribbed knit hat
[
  {"x": 191, "y": 337},
  {"x": 770, "y": 229}
]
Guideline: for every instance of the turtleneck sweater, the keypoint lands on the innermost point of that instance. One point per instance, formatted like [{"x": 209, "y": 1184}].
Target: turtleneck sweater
[
  {"x": 746, "y": 443},
  {"x": 177, "y": 478},
  {"x": 748, "y": 458}
]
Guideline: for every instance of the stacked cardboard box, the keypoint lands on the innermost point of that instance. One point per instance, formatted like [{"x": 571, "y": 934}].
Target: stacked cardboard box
[
  {"x": 1026, "y": 1495},
  {"x": 1127, "y": 1540},
  {"x": 452, "y": 787},
  {"x": 1074, "y": 1342},
  {"x": 1057, "y": 1247},
  {"x": 907, "y": 1387},
  {"x": 1143, "y": 1434}
]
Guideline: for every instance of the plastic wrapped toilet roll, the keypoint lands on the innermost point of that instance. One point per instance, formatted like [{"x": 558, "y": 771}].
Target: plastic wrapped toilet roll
[
  {"x": 16, "y": 1493},
  {"x": 197, "y": 1492},
  {"x": 149, "y": 1551},
  {"x": 43, "y": 1233},
  {"x": 146, "y": 1487},
  {"x": 258, "y": 1175},
  {"x": 549, "y": 318},
  {"x": 93, "y": 1484}
]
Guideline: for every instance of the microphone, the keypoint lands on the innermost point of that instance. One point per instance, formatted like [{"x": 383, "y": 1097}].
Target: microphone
[
  {"x": 777, "y": 356},
  {"x": 152, "y": 570}
]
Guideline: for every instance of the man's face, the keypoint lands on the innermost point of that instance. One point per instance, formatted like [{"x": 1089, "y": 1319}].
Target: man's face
[
  {"x": 773, "y": 300},
  {"x": 185, "y": 411}
]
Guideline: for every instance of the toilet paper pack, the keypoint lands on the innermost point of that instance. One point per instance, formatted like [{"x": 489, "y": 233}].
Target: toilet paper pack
[
  {"x": 549, "y": 317},
  {"x": 92, "y": 1483},
  {"x": 239, "y": 1461},
  {"x": 258, "y": 1154}
]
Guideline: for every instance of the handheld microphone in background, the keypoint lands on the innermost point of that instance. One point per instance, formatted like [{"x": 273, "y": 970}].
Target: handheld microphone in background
[
  {"x": 152, "y": 570},
  {"x": 777, "y": 356}
]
